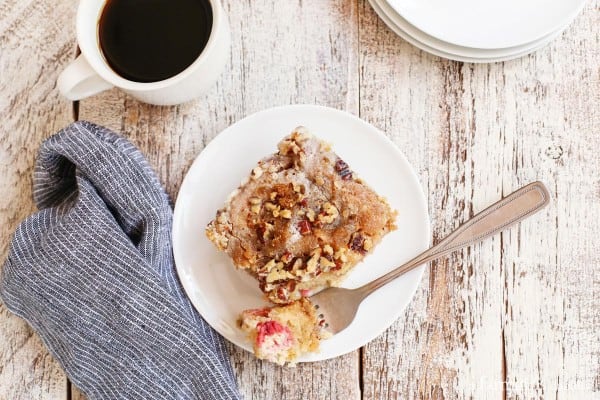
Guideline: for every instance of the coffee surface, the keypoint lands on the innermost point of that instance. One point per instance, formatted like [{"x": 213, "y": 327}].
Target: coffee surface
[{"x": 153, "y": 40}]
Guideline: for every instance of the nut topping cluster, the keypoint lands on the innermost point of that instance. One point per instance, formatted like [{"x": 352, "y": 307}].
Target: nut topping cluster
[
  {"x": 289, "y": 202},
  {"x": 282, "y": 275},
  {"x": 329, "y": 213}
]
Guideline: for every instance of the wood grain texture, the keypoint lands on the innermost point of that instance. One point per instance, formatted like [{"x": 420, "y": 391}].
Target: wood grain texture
[
  {"x": 36, "y": 42},
  {"x": 517, "y": 316},
  {"x": 303, "y": 52}
]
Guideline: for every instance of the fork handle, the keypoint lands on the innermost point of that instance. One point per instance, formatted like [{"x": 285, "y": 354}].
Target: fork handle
[{"x": 499, "y": 216}]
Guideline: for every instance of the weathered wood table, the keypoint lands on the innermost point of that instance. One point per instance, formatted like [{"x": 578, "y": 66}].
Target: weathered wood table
[{"x": 517, "y": 317}]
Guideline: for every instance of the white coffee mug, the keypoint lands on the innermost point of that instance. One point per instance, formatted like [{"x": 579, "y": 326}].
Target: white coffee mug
[{"x": 90, "y": 73}]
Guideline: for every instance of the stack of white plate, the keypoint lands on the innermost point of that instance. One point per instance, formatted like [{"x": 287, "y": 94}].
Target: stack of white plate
[{"x": 478, "y": 30}]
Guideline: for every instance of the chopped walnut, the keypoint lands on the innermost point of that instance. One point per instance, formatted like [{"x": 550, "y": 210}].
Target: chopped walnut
[
  {"x": 269, "y": 265},
  {"x": 287, "y": 214},
  {"x": 299, "y": 163},
  {"x": 324, "y": 146},
  {"x": 222, "y": 242},
  {"x": 257, "y": 173},
  {"x": 275, "y": 209},
  {"x": 301, "y": 134},
  {"x": 326, "y": 263},
  {"x": 217, "y": 238},
  {"x": 278, "y": 273},
  {"x": 311, "y": 265},
  {"x": 255, "y": 208},
  {"x": 222, "y": 218},
  {"x": 310, "y": 214},
  {"x": 327, "y": 249},
  {"x": 289, "y": 146},
  {"x": 330, "y": 209},
  {"x": 368, "y": 244},
  {"x": 341, "y": 255},
  {"x": 297, "y": 264},
  {"x": 265, "y": 231},
  {"x": 330, "y": 213}
]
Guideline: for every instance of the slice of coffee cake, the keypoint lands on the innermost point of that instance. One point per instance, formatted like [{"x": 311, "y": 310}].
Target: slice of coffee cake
[
  {"x": 281, "y": 334},
  {"x": 301, "y": 221}
]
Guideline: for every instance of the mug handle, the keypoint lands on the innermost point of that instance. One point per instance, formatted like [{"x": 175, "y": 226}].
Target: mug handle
[{"x": 79, "y": 80}]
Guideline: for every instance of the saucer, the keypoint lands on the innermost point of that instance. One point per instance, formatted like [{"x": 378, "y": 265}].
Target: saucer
[
  {"x": 488, "y": 24},
  {"x": 447, "y": 50}
]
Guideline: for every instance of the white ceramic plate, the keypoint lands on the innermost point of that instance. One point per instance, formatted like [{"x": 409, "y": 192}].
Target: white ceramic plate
[
  {"x": 220, "y": 292},
  {"x": 431, "y": 44},
  {"x": 488, "y": 24},
  {"x": 447, "y": 50}
]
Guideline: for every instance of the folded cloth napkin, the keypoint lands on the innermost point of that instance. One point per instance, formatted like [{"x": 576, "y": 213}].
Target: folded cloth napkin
[{"x": 92, "y": 272}]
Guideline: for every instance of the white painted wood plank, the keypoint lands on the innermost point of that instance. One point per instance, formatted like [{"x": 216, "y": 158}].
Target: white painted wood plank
[
  {"x": 517, "y": 316},
  {"x": 36, "y": 42},
  {"x": 551, "y": 266}
]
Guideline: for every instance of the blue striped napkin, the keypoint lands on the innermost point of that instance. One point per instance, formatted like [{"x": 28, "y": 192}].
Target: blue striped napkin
[{"x": 93, "y": 274}]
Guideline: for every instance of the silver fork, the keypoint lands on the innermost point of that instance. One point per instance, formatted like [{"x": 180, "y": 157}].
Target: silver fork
[{"x": 338, "y": 306}]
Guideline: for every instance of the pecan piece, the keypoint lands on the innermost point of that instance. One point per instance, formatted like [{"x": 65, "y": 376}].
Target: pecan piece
[
  {"x": 343, "y": 169},
  {"x": 304, "y": 227},
  {"x": 282, "y": 294},
  {"x": 357, "y": 243},
  {"x": 291, "y": 286}
]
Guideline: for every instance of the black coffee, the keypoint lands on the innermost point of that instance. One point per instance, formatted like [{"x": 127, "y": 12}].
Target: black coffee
[{"x": 152, "y": 40}]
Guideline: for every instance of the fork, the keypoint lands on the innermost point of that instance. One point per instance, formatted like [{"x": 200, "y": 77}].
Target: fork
[{"x": 338, "y": 306}]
